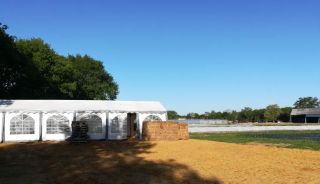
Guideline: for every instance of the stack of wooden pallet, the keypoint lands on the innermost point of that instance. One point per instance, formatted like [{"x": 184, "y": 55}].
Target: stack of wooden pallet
[{"x": 79, "y": 131}]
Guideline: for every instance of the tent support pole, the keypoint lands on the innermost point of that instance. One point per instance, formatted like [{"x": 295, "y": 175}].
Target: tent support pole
[
  {"x": 40, "y": 126},
  {"x": 107, "y": 126},
  {"x": 3, "y": 127}
]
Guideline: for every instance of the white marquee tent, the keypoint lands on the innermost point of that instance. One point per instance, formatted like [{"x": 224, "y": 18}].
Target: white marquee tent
[{"x": 27, "y": 120}]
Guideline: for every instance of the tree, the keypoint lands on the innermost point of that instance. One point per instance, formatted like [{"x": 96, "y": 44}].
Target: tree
[
  {"x": 193, "y": 115},
  {"x": 285, "y": 114},
  {"x": 53, "y": 76},
  {"x": 64, "y": 78},
  {"x": 31, "y": 69},
  {"x": 93, "y": 82},
  {"x": 272, "y": 112},
  {"x": 206, "y": 115},
  {"x": 258, "y": 115},
  {"x": 307, "y": 102},
  {"x": 12, "y": 65},
  {"x": 217, "y": 115},
  {"x": 43, "y": 59},
  {"x": 233, "y": 116},
  {"x": 245, "y": 115},
  {"x": 172, "y": 115}
]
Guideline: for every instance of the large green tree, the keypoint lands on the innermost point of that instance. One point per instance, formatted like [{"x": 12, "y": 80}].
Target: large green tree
[
  {"x": 12, "y": 65},
  {"x": 40, "y": 80},
  {"x": 93, "y": 82},
  {"x": 307, "y": 102},
  {"x": 31, "y": 69},
  {"x": 272, "y": 112}
]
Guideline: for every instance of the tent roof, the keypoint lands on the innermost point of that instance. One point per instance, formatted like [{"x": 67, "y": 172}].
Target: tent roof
[
  {"x": 81, "y": 105},
  {"x": 305, "y": 111}
]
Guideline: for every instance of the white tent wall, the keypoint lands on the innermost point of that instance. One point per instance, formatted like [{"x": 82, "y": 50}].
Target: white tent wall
[
  {"x": 33, "y": 135},
  {"x": 96, "y": 122},
  {"x": 27, "y": 120},
  {"x": 114, "y": 121},
  {"x": 142, "y": 117},
  {"x": 56, "y": 136},
  {"x": 117, "y": 126}
]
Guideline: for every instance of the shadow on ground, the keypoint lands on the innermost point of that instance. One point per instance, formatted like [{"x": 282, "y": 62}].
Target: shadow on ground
[{"x": 94, "y": 162}]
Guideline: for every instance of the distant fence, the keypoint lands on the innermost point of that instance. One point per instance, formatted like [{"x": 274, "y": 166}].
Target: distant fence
[
  {"x": 203, "y": 121},
  {"x": 250, "y": 128}
]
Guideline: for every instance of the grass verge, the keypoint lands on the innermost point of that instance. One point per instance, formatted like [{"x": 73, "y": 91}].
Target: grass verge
[{"x": 309, "y": 139}]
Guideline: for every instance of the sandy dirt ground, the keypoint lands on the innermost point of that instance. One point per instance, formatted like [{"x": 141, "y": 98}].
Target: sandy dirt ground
[
  {"x": 235, "y": 163},
  {"x": 172, "y": 162}
]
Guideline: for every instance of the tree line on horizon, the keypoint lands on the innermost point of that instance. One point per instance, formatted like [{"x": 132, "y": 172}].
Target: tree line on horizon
[
  {"x": 31, "y": 69},
  {"x": 271, "y": 113}
]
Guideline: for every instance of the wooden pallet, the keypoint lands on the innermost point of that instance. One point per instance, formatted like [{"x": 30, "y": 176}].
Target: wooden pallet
[{"x": 79, "y": 132}]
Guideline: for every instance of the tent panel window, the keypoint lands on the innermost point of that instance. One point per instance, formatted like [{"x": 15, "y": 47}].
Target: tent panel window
[
  {"x": 115, "y": 125},
  {"x": 22, "y": 124},
  {"x": 94, "y": 123},
  {"x": 119, "y": 124},
  {"x": 152, "y": 118},
  {"x": 58, "y": 124},
  {"x": 124, "y": 126}
]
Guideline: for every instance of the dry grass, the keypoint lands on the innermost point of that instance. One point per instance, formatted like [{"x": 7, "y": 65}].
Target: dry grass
[{"x": 192, "y": 161}]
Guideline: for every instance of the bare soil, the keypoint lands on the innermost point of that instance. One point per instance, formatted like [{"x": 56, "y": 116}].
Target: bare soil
[{"x": 192, "y": 161}]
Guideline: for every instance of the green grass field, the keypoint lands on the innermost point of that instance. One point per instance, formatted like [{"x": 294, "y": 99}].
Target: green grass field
[{"x": 290, "y": 139}]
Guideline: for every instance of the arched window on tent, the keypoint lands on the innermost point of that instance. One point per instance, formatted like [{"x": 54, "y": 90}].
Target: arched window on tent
[
  {"x": 119, "y": 124},
  {"x": 22, "y": 124},
  {"x": 94, "y": 123},
  {"x": 152, "y": 118},
  {"x": 57, "y": 124}
]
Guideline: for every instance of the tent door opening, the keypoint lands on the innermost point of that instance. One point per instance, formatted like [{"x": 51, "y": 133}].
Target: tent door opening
[{"x": 132, "y": 125}]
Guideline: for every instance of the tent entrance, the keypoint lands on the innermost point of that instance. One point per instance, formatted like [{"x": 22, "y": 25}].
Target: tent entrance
[{"x": 132, "y": 124}]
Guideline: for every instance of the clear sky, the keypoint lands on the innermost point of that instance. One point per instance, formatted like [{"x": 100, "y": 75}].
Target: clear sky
[{"x": 193, "y": 56}]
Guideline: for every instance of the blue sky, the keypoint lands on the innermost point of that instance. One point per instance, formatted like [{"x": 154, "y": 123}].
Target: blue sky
[{"x": 193, "y": 56}]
